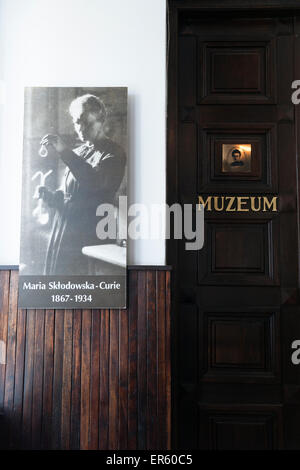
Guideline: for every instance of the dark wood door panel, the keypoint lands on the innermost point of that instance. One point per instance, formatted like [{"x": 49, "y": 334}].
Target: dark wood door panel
[
  {"x": 237, "y": 72},
  {"x": 238, "y": 297},
  {"x": 232, "y": 393},
  {"x": 240, "y": 346},
  {"x": 230, "y": 426},
  {"x": 239, "y": 251},
  {"x": 188, "y": 351},
  {"x": 229, "y": 345},
  {"x": 263, "y": 172},
  {"x": 266, "y": 297},
  {"x": 240, "y": 427},
  {"x": 231, "y": 23},
  {"x": 241, "y": 114}
]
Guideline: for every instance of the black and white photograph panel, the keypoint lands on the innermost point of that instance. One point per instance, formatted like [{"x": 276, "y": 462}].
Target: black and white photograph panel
[{"x": 74, "y": 160}]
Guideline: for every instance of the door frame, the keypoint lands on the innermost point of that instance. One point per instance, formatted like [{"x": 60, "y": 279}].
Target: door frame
[{"x": 175, "y": 8}]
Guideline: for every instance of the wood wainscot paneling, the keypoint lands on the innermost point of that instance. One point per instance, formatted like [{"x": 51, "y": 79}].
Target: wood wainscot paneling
[
  {"x": 233, "y": 137},
  {"x": 88, "y": 379}
]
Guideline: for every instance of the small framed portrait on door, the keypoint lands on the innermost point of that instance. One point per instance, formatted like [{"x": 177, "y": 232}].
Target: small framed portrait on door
[{"x": 236, "y": 158}]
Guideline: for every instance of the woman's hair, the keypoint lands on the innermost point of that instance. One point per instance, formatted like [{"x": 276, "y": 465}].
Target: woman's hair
[
  {"x": 236, "y": 153},
  {"x": 90, "y": 103}
]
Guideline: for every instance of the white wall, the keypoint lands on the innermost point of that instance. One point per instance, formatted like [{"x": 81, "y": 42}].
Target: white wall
[{"x": 85, "y": 43}]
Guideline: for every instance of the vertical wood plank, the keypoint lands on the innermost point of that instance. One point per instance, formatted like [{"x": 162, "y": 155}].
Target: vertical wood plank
[
  {"x": 76, "y": 381},
  {"x": 152, "y": 427},
  {"x": 11, "y": 356},
  {"x": 85, "y": 380},
  {"x": 11, "y": 346},
  {"x": 57, "y": 378},
  {"x": 123, "y": 381},
  {"x": 114, "y": 380},
  {"x": 168, "y": 443},
  {"x": 16, "y": 440},
  {"x": 28, "y": 380},
  {"x": 95, "y": 381},
  {"x": 104, "y": 380},
  {"x": 4, "y": 307},
  {"x": 37, "y": 401},
  {"x": 46, "y": 439},
  {"x": 142, "y": 362},
  {"x": 66, "y": 381},
  {"x": 161, "y": 337},
  {"x": 132, "y": 368}
]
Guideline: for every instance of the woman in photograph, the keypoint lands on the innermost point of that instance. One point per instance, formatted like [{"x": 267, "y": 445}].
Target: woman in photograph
[{"x": 94, "y": 172}]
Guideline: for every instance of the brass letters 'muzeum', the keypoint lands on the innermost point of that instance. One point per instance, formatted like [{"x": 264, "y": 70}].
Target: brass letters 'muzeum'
[{"x": 238, "y": 203}]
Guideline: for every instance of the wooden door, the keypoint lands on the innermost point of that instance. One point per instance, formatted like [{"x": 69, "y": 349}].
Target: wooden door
[{"x": 237, "y": 299}]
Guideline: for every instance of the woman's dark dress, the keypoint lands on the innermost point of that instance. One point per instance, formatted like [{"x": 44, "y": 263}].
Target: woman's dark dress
[{"x": 93, "y": 176}]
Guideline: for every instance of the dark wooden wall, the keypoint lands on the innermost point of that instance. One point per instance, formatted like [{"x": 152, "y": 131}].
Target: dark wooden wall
[{"x": 88, "y": 379}]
